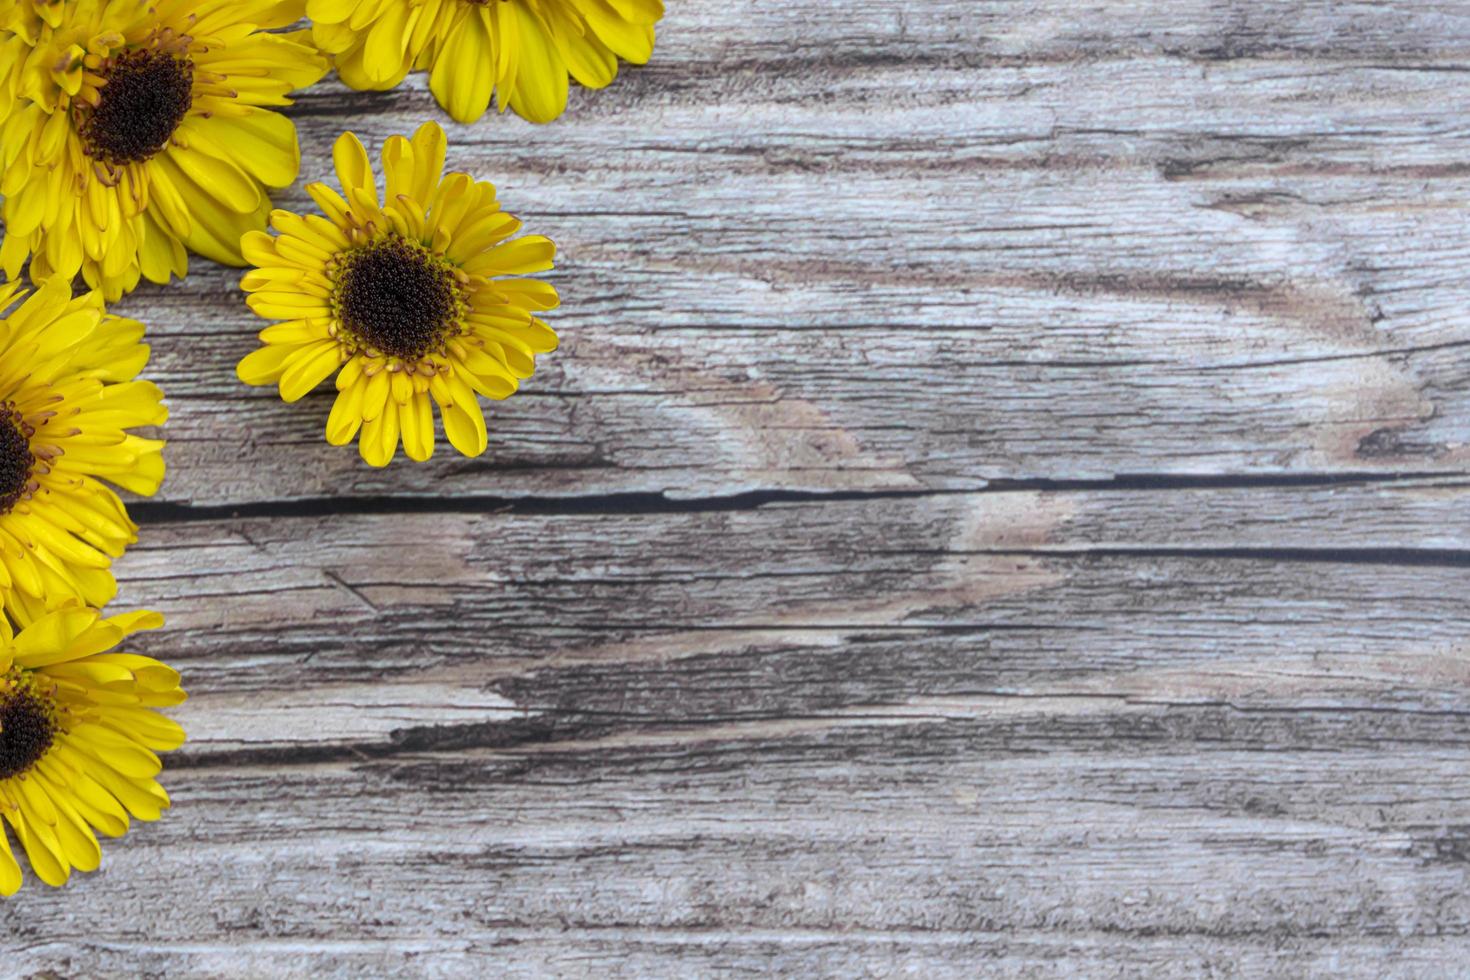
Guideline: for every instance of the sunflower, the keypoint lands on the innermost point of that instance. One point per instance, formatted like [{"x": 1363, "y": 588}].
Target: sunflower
[
  {"x": 78, "y": 738},
  {"x": 400, "y": 299},
  {"x": 68, "y": 395},
  {"x": 136, "y": 129},
  {"x": 523, "y": 49}
]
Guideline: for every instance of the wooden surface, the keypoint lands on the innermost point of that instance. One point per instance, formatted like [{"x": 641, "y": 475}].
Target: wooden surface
[{"x": 1001, "y": 507}]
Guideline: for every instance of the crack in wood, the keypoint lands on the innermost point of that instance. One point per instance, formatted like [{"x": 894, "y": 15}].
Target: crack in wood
[{"x": 157, "y": 512}]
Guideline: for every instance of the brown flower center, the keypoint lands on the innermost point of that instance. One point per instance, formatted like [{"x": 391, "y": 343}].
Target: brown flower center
[
  {"x": 27, "y": 725},
  {"x": 147, "y": 94},
  {"x": 16, "y": 459},
  {"x": 396, "y": 298}
]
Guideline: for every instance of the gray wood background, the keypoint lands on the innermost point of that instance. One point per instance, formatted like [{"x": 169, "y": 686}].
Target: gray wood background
[{"x": 1001, "y": 507}]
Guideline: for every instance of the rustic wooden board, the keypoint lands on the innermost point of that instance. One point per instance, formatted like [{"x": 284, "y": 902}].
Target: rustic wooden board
[{"x": 999, "y": 509}]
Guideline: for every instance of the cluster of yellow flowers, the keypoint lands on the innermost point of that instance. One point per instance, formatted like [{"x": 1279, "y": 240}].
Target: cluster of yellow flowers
[{"x": 134, "y": 132}]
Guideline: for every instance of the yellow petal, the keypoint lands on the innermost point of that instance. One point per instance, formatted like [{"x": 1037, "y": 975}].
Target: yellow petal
[
  {"x": 353, "y": 167},
  {"x": 309, "y": 367},
  {"x": 264, "y": 366}
]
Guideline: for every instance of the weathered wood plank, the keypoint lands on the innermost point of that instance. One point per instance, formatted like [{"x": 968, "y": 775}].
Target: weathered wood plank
[
  {"x": 1017, "y": 250},
  {"x": 479, "y": 622},
  {"x": 1150, "y": 855}
]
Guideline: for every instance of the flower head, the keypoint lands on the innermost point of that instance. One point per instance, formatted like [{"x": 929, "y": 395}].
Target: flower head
[
  {"x": 401, "y": 298},
  {"x": 522, "y": 49},
  {"x": 78, "y": 739},
  {"x": 137, "y": 129},
  {"x": 68, "y": 396}
]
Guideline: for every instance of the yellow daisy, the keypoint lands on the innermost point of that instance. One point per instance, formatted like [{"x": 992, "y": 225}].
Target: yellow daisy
[
  {"x": 78, "y": 738},
  {"x": 68, "y": 395},
  {"x": 522, "y": 49},
  {"x": 136, "y": 129},
  {"x": 402, "y": 296}
]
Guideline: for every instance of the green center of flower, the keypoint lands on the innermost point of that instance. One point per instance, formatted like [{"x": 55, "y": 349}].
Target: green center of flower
[
  {"x": 146, "y": 95},
  {"x": 16, "y": 459},
  {"x": 27, "y": 724},
  {"x": 396, "y": 298}
]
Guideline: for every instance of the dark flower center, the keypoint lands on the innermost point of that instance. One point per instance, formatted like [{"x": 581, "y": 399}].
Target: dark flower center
[
  {"x": 147, "y": 95},
  {"x": 16, "y": 460},
  {"x": 396, "y": 298},
  {"x": 27, "y": 727}
]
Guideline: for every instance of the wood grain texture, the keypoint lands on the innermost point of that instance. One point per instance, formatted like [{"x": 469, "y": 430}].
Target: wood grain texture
[{"x": 999, "y": 509}]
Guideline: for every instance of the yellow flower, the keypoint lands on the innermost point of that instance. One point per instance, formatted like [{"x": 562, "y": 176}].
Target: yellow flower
[
  {"x": 134, "y": 129},
  {"x": 523, "y": 49},
  {"x": 68, "y": 395},
  {"x": 78, "y": 739},
  {"x": 402, "y": 296}
]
